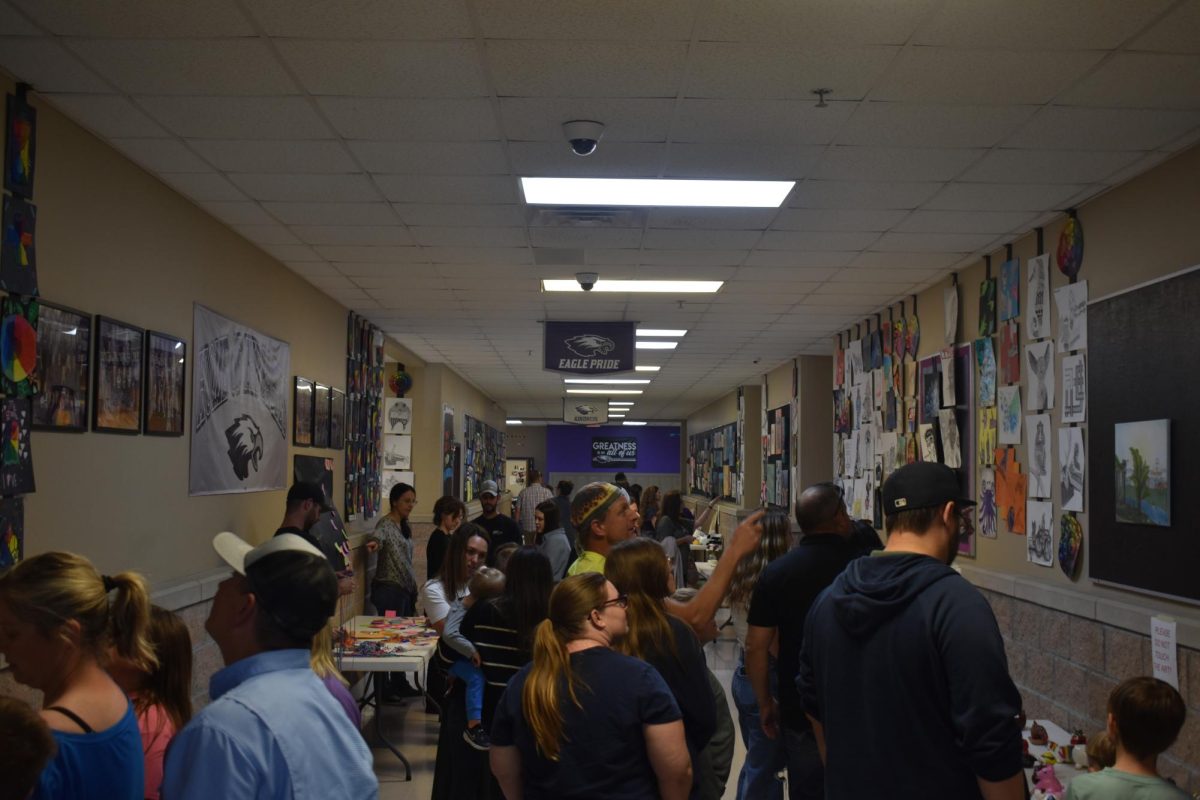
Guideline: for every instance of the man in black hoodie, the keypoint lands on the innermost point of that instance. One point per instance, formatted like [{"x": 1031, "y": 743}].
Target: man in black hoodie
[{"x": 903, "y": 672}]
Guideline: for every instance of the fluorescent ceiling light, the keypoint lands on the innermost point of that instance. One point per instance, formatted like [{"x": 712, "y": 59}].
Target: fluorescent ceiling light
[
  {"x": 647, "y": 369},
  {"x": 513, "y": 422},
  {"x": 620, "y": 402},
  {"x": 615, "y": 416},
  {"x": 656, "y": 345},
  {"x": 614, "y": 381},
  {"x": 660, "y": 332},
  {"x": 627, "y": 422},
  {"x": 604, "y": 391},
  {"x": 627, "y": 286},
  {"x": 654, "y": 192}
]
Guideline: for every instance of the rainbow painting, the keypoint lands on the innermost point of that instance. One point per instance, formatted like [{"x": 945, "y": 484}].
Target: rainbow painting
[
  {"x": 18, "y": 252},
  {"x": 20, "y": 152}
]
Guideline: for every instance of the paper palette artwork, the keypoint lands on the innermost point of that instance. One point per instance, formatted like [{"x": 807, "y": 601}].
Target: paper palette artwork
[
  {"x": 1143, "y": 472},
  {"x": 16, "y": 460},
  {"x": 1070, "y": 543},
  {"x": 18, "y": 247},
  {"x": 18, "y": 347},
  {"x": 1070, "y": 247}
]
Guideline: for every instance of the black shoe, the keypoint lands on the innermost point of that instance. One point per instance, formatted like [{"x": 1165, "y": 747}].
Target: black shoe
[{"x": 478, "y": 738}]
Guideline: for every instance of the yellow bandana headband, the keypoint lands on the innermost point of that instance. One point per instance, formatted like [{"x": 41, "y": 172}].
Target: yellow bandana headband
[{"x": 592, "y": 501}]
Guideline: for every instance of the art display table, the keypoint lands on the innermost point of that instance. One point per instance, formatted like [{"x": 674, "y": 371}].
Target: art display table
[
  {"x": 1064, "y": 771},
  {"x": 379, "y": 645}
]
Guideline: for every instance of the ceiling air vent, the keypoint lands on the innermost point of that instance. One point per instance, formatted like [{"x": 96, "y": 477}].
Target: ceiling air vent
[{"x": 587, "y": 217}]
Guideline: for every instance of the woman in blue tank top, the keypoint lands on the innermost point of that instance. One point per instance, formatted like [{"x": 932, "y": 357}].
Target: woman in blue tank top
[{"x": 58, "y": 616}]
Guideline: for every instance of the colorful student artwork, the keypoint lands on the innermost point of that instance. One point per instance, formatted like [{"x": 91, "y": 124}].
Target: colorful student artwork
[
  {"x": 16, "y": 460},
  {"x": 987, "y": 306},
  {"x": 950, "y": 312},
  {"x": 876, "y": 349},
  {"x": 18, "y": 247},
  {"x": 898, "y": 338},
  {"x": 987, "y": 435},
  {"x": 1039, "y": 516},
  {"x": 1070, "y": 247},
  {"x": 987, "y": 503},
  {"x": 1037, "y": 298},
  {"x": 885, "y": 334},
  {"x": 1071, "y": 303},
  {"x": 1010, "y": 352},
  {"x": 1010, "y": 290},
  {"x": 839, "y": 367},
  {"x": 897, "y": 377},
  {"x": 12, "y": 531},
  {"x": 20, "y": 153},
  {"x": 1072, "y": 464},
  {"x": 1143, "y": 472},
  {"x": 1038, "y": 430},
  {"x": 931, "y": 388},
  {"x": 985, "y": 359},
  {"x": 927, "y": 434},
  {"x": 949, "y": 397},
  {"x": 1070, "y": 543},
  {"x": 1074, "y": 389},
  {"x": 1011, "y": 485},
  {"x": 912, "y": 330},
  {"x": 1039, "y": 361},
  {"x": 1009, "y": 418},
  {"x": 951, "y": 441},
  {"x": 18, "y": 347}
]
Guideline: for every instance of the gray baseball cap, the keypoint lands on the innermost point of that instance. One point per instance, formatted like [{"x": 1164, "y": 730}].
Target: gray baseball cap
[{"x": 489, "y": 487}]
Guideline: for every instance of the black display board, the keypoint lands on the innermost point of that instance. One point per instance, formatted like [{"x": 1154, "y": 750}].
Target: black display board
[{"x": 1143, "y": 359}]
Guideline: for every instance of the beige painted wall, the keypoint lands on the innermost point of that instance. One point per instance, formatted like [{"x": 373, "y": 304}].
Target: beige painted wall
[
  {"x": 814, "y": 441},
  {"x": 779, "y": 386}
]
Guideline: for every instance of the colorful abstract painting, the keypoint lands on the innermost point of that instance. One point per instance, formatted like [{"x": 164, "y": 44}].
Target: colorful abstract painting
[
  {"x": 16, "y": 459},
  {"x": 1070, "y": 544},
  {"x": 12, "y": 531},
  {"x": 987, "y": 307},
  {"x": 987, "y": 435},
  {"x": 1010, "y": 353},
  {"x": 18, "y": 247},
  {"x": 18, "y": 347},
  {"x": 1070, "y": 247},
  {"x": 912, "y": 331},
  {"x": 1143, "y": 472},
  {"x": 1010, "y": 290},
  {"x": 20, "y": 152},
  {"x": 1009, "y": 414}
]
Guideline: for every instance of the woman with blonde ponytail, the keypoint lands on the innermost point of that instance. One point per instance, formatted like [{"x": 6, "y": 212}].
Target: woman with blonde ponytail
[
  {"x": 58, "y": 619},
  {"x": 582, "y": 720}
]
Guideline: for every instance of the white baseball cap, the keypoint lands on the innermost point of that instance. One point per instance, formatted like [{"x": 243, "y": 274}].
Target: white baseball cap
[{"x": 239, "y": 554}]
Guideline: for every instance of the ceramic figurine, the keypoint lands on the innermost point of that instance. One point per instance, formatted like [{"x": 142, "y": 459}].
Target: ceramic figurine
[
  {"x": 1038, "y": 735},
  {"x": 1045, "y": 780}
]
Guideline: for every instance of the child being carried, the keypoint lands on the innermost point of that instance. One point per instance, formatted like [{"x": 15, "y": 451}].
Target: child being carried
[{"x": 485, "y": 584}]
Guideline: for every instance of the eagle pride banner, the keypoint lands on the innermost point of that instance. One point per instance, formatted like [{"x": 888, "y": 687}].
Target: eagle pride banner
[{"x": 589, "y": 348}]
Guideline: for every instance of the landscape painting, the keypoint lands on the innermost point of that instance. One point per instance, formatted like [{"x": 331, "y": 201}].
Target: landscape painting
[{"x": 1143, "y": 472}]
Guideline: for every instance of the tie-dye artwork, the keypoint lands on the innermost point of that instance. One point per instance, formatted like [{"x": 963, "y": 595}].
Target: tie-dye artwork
[
  {"x": 985, "y": 359},
  {"x": 987, "y": 503},
  {"x": 1010, "y": 352},
  {"x": 1009, "y": 414},
  {"x": 20, "y": 152},
  {"x": 1037, "y": 298},
  {"x": 18, "y": 247},
  {"x": 1010, "y": 289},
  {"x": 987, "y": 435},
  {"x": 987, "y": 306}
]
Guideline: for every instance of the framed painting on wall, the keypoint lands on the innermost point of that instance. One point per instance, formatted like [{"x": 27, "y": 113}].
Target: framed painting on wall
[
  {"x": 320, "y": 415},
  {"x": 337, "y": 419},
  {"x": 166, "y": 362},
  {"x": 117, "y": 384},
  {"x": 302, "y": 422},
  {"x": 64, "y": 354}
]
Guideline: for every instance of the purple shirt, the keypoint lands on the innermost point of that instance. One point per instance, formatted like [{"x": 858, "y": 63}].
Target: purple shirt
[{"x": 343, "y": 696}]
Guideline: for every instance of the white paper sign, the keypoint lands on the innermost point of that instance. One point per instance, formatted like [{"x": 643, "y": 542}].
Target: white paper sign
[{"x": 1162, "y": 639}]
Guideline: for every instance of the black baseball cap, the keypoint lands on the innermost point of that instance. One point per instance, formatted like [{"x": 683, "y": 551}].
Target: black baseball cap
[
  {"x": 925, "y": 484},
  {"x": 306, "y": 490}
]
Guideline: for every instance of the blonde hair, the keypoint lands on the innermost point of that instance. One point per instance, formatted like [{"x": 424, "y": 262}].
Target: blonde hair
[
  {"x": 52, "y": 589},
  {"x": 486, "y": 583},
  {"x": 571, "y": 602},
  {"x": 321, "y": 656},
  {"x": 776, "y": 540}
]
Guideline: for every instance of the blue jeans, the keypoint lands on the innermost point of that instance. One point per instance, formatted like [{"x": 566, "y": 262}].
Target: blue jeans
[
  {"x": 764, "y": 756},
  {"x": 472, "y": 677}
]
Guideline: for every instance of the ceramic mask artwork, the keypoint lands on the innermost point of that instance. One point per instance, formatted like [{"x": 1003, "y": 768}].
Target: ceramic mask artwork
[
  {"x": 1070, "y": 247},
  {"x": 1070, "y": 542}
]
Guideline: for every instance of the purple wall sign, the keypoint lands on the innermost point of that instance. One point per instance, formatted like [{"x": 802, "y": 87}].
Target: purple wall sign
[{"x": 569, "y": 447}]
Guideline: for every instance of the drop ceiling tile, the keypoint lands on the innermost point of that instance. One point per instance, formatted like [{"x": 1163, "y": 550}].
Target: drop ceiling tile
[
  {"x": 809, "y": 219},
  {"x": 817, "y": 240},
  {"x": 1176, "y": 33},
  {"x": 905, "y": 260},
  {"x": 586, "y": 69},
  {"x": 739, "y": 120},
  {"x": 311, "y": 268},
  {"x": 933, "y": 242},
  {"x": 447, "y": 188},
  {"x": 106, "y": 115},
  {"x": 332, "y": 213},
  {"x": 465, "y": 215},
  {"x": 237, "y": 117},
  {"x": 161, "y": 155},
  {"x": 381, "y": 254},
  {"x": 621, "y": 20},
  {"x": 812, "y": 24},
  {"x": 1140, "y": 80},
  {"x": 431, "y": 158},
  {"x": 994, "y": 222},
  {"x": 201, "y": 67},
  {"x": 291, "y": 252},
  {"x": 306, "y": 188},
  {"x": 417, "y": 119},
  {"x": 798, "y": 259},
  {"x": 238, "y": 213},
  {"x": 14, "y": 23},
  {"x": 382, "y": 69},
  {"x": 983, "y": 77},
  {"x": 49, "y": 66},
  {"x": 469, "y": 237},
  {"x": 918, "y": 125},
  {"x": 267, "y": 234},
  {"x": 296, "y": 157},
  {"x": 664, "y": 239},
  {"x": 857, "y": 195},
  {"x": 1001, "y": 197},
  {"x": 716, "y": 218},
  {"x": 157, "y": 19},
  {"x": 364, "y": 235},
  {"x": 540, "y": 119},
  {"x": 477, "y": 255},
  {"x": 741, "y": 161},
  {"x": 465, "y": 276},
  {"x": 362, "y": 19},
  {"x": 807, "y": 274},
  {"x": 697, "y": 258},
  {"x": 390, "y": 269},
  {"x": 894, "y": 164},
  {"x": 202, "y": 186},
  {"x": 720, "y": 69},
  {"x": 1068, "y": 128},
  {"x": 1048, "y": 166},
  {"x": 1029, "y": 24},
  {"x": 611, "y": 160}
]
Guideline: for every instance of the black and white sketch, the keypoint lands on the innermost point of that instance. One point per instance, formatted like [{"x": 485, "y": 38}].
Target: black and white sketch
[
  {"x": 1071, "y": 303},
  {"x": 397, "y": 452},
  {"x": 1037, "y": 428},
  {"x": 1039, "y": 521},
  {"x": 390, "y": 477},
  {"x": 240, "y": 387},
  {"x": 951, "y": 443},
  {"x": 1037, "y": 298},
  {"x": 1008, "y": 420},
  {"x": 1074, "y": 389},
  {"x": 1072, "y": 464},
  {"x": 928, "y": 441},
  {"x": 949, "y": 396},
  {"x": 854, "y": 362},
  {"x": 398, "y": 415},
  {"x": 1039, "y": 359}
]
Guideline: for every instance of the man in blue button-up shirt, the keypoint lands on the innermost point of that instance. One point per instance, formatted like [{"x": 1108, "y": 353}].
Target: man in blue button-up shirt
[{"x": 272, "y": 730}]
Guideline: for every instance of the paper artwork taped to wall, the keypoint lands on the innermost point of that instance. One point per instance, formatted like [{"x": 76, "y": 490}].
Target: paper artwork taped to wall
[
  {"x": 950, "y": 313},
  {"x": 879, "y": 382},
  {"x": 398, "y": 415},
  {"x": 20, "y": 152},
  {"x": 1009, "y": 420},
  {"x": 1010, "y": 490},
  {"x": 876, "y": 350},
  {"x": 18, "y": 247},
  {"x": 1037, "y": 428},
  {"x": 1039, "y": 363},
  {"x": 19, "y": 375},
  {"x": 931, "y": 388},
  {"x": 927, "y": 433},
  {"x": 1037, "y": 298},
  {"x": 839, "y": 366},
  {"x": 912, "y": 331},
  {"x": 1010, "y": 289},
  {"x": 897, "y": 377},
  {"x": 1074, "y": 389},
  {"x": 390, "y": 477},
  {"x": 949, "y": 398},
  {"x": 987, "y": 503},
  {"x": 951, "y": 443},
  {"x": 868, "y": 494},
  {"x": 12, "y": 531},
  {"x": 1040, "y": 520},
  {"x": 888, "y": 445},
  {"x": 898, "y": 347},
  {"x": 1071, "y": 303},
  {"x": 397, "y": 452},
  {"x": 854, "y": 362},
  {"x": 858, "y": 507},
  {"x": 885, "y": 331},
  {"x": 987, "y": 306},
  {"x": 1143, "y": 472},
  {"x": 985, "y": 360},
  {"x": 987, "y": 435},
  {"x": 890, "y": 412},
  {"x": 1010, "y": 353},
  {"x": 1070, "y": 544},
  {"x": 16, "y": 458},
  {"x": 241, "y": 381},
  {"x": 1072, "y": 464}
]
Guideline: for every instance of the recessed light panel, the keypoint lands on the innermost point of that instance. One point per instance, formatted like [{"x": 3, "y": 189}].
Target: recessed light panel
[
  {"x": 634, "y": 286},
  {"x": 654, "y": 192}
]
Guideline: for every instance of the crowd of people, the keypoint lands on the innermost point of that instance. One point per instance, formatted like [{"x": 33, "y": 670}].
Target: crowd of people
[{"x": 570, "y": 660}]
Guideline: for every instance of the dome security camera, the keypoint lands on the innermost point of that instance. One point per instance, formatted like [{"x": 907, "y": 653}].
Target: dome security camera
[
  {"x": 587, "y": 280},
  {"x": 584, "y": 135}
]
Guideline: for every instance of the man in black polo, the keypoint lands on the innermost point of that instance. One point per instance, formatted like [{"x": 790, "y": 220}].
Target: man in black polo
[
  {"x": 502, "y": 528},
  {"x": 306, "y": 502},
  {"x": 781, "y": 599}
]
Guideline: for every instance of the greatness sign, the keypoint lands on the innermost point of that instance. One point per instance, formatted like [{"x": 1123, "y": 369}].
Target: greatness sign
[{"x": 614, "y": 452}]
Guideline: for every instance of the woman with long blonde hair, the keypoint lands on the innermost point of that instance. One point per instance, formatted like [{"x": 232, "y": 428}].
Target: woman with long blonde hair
[
  {"x": 58, "y": 619},
  {"x": 582, "y": 720}
]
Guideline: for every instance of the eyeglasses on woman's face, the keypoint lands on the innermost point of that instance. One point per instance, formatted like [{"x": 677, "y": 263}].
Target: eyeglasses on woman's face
[{"x": 620, "y": 601}]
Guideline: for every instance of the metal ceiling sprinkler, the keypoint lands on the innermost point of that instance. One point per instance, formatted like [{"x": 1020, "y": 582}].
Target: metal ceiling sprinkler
[{"x": 821, "y": 94}]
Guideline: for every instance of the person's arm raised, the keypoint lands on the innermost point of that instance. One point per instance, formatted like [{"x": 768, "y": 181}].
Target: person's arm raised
[
  {"x": 668, "y": 754},
  {"x": 701, "y": 608}
]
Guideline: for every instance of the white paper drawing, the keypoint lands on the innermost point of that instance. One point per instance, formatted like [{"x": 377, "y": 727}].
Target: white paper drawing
[
  {"x": 1074, "y": 389},
  {"x": 951, "y": 443},
  {"x": 879, "y": 384},
  {"x": 398, "y": 416},
  {"x": 397, "y": 452},
  {"x": 1040, "y": 468},
  {"x": 1039, "y": 522},
  {"x": 854, "y": 362},
  {"x": 839, "y": 454},
  {"x": 1009, "y": 417},
  {"x": 950, "y": 312},
  {"x": 860, "y": 495},
  {"x": 1071, "y": 303},
  {"x": 888, "y": 444},
  {"x": 850, "y": 453},
  {"x": 390, "y": 477},
  {"x": 1072, "y": 464},
  {"x": 1039, "y": 362},
  {"x": 949, "y": 397},
  {"x": 928, "y": 441},
  {"x": 1037, "y": 298}
]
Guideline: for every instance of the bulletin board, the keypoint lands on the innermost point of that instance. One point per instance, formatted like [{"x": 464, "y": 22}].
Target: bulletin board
[
  {"x": 483, "y": 456},
  {"x": 714, "y": 468},
  {"x": 1143, "y": 362}
]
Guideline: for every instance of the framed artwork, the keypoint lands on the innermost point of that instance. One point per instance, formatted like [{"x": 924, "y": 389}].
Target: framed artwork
[
  {"x": 320, "y": 415},
  {"x": 337, "y": 419},
  {"x": 64, "y": 351},
  {"x": 166, "y": 362},
  {"x": 1143, "y": 472},
  {"x": 20, "y": 152},
  {"x": 18, "y": 347},
  {"x": 302, "y": 424},
  {"x": 117, "y": 383},
  {"x": 18, "y": 247}
]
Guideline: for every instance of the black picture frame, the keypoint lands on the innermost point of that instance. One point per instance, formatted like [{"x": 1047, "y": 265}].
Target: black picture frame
[
  {"x": 337, "y": 419},
  {"x": 64, "y": 361},
  {"x": 321, "y": 415},
  {"x": 117, "y": 377},
  {"x": 165, "y": 385},
  {"x": 302, "y": 420}
]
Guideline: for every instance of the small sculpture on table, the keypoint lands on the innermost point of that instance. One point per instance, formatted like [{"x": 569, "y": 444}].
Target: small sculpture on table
[
  {"x": 1046, "y": 784},
  {"x": 1038, "y": 735}
]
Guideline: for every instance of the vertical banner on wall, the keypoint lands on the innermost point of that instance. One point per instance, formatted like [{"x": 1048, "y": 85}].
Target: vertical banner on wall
[
  {"x": 588, "y": 348},
  {"x": 240, "y": 387}
]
